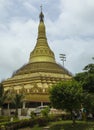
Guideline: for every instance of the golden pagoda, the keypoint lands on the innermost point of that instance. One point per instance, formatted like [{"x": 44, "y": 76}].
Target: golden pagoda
[{"x": 39, "y": 74}]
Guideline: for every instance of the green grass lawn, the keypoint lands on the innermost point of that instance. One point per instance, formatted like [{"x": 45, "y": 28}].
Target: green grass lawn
[
  {"x": 34, "y": 128},
  {"x": 67, "y": 125},
  {"x": 37, "y": 128}
]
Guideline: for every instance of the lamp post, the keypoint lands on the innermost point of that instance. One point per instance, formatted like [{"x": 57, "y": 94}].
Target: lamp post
[{"x": 63, "y": 58}]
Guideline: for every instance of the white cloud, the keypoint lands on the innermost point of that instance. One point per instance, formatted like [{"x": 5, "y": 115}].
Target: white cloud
[
  {"x": 77, "y": 17},
  {"x": 29, "y": 7}
]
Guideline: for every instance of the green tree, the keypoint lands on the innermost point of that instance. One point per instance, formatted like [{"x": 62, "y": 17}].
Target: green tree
[
  {"x": 17, "y": 101},
  {"x": 3, "y": 97},
  {"x": 89, "y": 68},
  {"x": 66, "y": 95},
  {"x": 88, "y": 101},
  {"x": 86, "y": 78}
]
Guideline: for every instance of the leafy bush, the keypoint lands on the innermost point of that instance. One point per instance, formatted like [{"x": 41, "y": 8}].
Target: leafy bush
[
  {"x": 33, "y": 115},
  {"x": 42, "y": 121},
  {"x": 4, "y": 118},
  {"x": 45, "y": 112},
  {"x": 66, "y": 116},
  {"x": 55, "y": 118}
]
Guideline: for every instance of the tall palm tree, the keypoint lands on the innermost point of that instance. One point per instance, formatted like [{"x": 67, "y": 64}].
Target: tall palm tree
[
  {"x": 9, "y": 99},
  {"x": 17, "y": 101}
]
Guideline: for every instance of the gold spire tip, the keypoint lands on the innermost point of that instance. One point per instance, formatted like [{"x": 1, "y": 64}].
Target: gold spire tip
[{"x": 41, "y": 15}]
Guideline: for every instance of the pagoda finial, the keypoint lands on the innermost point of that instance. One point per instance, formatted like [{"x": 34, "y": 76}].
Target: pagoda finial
[{"x": 41, "y": 16}]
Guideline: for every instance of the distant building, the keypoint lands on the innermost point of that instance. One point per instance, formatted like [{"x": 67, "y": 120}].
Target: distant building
[{"x": 39, "y": 74}]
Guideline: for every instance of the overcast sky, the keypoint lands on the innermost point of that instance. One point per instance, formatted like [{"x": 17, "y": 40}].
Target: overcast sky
[{"x": 69, "y": 27}]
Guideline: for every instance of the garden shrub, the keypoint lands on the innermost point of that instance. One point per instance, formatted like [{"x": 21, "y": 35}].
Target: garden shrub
[
  {"x": 32, "y": 122},
  {"x": 55, "y": 118},
  {"x": 4, "y": 118},
  {"x": 45, "y": 112},
  {"x": 20, "y": 124},
  {"x": 41, "y": 121},
  {"x": 33, "y": 115},
  {"x": 66, "y": 116}
]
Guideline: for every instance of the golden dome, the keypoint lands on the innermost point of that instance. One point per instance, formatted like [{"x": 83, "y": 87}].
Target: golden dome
[{"x": 42, "y": 67}]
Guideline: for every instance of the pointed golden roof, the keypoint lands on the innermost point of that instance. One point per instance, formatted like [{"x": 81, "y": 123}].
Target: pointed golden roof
[{"x": 42, "y": 51}]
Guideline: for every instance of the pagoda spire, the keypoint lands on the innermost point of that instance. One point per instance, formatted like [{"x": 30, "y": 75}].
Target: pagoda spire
[
  {"x": 42, "y": 51},
  {"x": 41, "y": 16}
]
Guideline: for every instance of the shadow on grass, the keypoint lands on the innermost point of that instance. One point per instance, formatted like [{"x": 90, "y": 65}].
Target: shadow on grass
[{"x": 77, "y": 126}]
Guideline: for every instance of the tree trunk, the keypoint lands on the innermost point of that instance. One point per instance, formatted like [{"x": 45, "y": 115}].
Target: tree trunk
[
  {"x": 73, "y": 117},
  {"x": 1, "y": 111},
  {"x": 9, "y": 109},
  {"x": 16, "y": 112}
]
